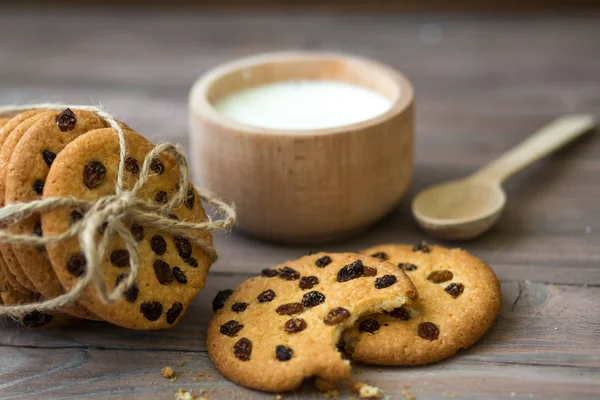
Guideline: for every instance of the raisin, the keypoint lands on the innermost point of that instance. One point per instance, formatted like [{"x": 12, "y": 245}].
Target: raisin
[
  {"x": 455, "y": 289},
  {"x": 369, "y": 325},
  {"x": 312, "y": 299},
  {"x": 336, "y": 315},
  {"x": 94, "y": 174},
  {"x": 138, "y": 232},
  {"x": 75, "y": 217},
  {"x": 385, "y": 281},
  {"x": 174, "y": 312},
  {"x": 283, "y": 353},
  {"x": 428, "y": 330},
  {"x": 191, "y": 261},
  {"x": 407, "y": 266},
  {"x": 161, "y": 197},
  {"x": 323, "y": 261},
  {"x": 48, "y": 157},
  {"x": 268, "y": 272},
  {"x": 295, "y": 325},
  {"x": 220, "y": 299},
  {"x": 239, "y": 307},
  {"x": 163, "y": 272},
  {"x": 290, "y": 308},
  {"x": 381, "y": 255},
  {"x": 288, "y": 274},
  {"x": 368, "y": 271},
  {"x": 242, "y": 349},
  {"x": 179, "y": 275},
  {"x": 231, "y": 328},
  {"x": 76, "y": 264},
  {"x": 132, "y": 165},
  {"x": 157, "y": 166},
  {"x": 152, "y": 310},
  {"x": 37, "y": 229},
  {"x": 423, "y": 247},
  {"x": 66, "y": 120},
  {"x": 184, "y": 248},
  {"x": 400, "y": 313},
  {"x": 440, "y": 276},
  {"x": 266, "y": 296},
  {"x": 190, "y": 198},
  {"x": 350, "y": 271},
  {"x": 35, "y": 319},
  {"x": 120, "y": 258},
  {"x": 308, "y": 282},
  {"x": 38, "y": 186},
  {"x": 158, "y": 244},
  {"x": 130, "y": 294}
]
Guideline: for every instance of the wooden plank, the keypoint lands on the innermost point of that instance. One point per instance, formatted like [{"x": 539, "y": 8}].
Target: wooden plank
[
  {"x": 539, "y": 324},
  {"x": 54, "y": 374}
]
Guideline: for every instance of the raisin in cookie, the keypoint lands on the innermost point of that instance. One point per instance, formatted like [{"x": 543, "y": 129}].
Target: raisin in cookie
[
  {"x": 32, "y": 155},
  {"x": 459, "y": 299},
  {"x": 275, "y": 330},
  {"x": 171, "y": 269}
]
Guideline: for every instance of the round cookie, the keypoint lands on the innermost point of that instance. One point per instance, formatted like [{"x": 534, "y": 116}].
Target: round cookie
[
  {"x": 6, "y": 151},
  {"x": 5, "y": 131},
  {"x": 277, "y": 329},
  {"x": 459, "y": 299},
  {"x": 35, "y": 319},
  {"x": 171, "y": 269},
  {"x": 32, "y": 155}
]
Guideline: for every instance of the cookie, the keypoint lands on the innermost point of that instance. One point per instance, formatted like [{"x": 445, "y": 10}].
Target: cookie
[
  {"x": 171, "y": 269},
  {"x": 35, "y": 319},
  {"x": 14, "y": 129},
  {"x": 277, "y": 329},
  {"x": 459, "y": 299},
  {"x": 32, "y": 155}
]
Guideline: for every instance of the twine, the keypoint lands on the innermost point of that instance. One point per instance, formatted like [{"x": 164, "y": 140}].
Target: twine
[{"x": 114, "y": 210}]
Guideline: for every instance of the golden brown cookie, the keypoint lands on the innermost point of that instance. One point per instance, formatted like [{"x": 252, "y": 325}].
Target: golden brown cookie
[
  {"x": 459, "y": 299},
  {"x": 172, "y": 270},
  {"x": 15, "y": 128},
  {"x": 277, "y": 329},
  {"x": 35, "y": 319},
  {"x": 32, "y": 155}
]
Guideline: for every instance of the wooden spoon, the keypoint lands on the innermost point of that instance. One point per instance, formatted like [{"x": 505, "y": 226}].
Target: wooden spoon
[{"x": 466, "y": 208}]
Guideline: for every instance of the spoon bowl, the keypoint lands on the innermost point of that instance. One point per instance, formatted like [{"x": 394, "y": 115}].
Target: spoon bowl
[
  {"x": 466, "y": 208},
  {"x": 459, "y": 210}
]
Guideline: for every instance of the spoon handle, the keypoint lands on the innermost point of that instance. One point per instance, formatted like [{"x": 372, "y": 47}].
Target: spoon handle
[{"x": 543, "y": 142}]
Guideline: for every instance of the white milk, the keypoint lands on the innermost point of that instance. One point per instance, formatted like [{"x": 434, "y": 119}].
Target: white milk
[{"x": 301, "y": 105}]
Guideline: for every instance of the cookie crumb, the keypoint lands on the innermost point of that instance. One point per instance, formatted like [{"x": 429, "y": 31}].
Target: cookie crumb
[
  {"x": 167, "y": 372},
  {"x": 183, "y": 395},
  {"x": 173, "y": 380},
  {"x": 331, "y": 394},
  {"x": 365, "y": 391},
  {"x": 277, "y": 397},
  {"x": 448, "y": 393},
  {"x": 407, "y": 395},
  {"x": 181, "y": 364},
  {"x": 407, "y": 386}
]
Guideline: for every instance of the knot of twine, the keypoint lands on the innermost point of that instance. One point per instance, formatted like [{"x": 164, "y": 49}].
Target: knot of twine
[{"x": 112, "y": 214}]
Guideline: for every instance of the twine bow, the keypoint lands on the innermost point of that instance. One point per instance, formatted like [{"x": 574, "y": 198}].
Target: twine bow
[{"x": 114, "y": 213}]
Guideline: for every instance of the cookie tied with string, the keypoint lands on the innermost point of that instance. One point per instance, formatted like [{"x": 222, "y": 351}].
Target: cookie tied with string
[{"x": 138, "y": 227}]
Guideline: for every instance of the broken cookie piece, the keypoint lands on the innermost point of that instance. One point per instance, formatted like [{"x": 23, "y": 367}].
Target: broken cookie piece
[{"x": 289, "y": 331}]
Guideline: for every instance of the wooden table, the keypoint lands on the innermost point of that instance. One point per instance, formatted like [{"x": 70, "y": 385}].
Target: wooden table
[{"x": 483, "y": 83}]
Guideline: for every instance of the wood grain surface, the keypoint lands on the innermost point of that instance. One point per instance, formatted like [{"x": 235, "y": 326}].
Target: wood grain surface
[{"x": 482, "y": 83}]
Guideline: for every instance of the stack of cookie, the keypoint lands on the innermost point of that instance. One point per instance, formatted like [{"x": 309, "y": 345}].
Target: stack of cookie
[
  {"x": 48, "y": 154},
  {"x": 391, "y": 305}
]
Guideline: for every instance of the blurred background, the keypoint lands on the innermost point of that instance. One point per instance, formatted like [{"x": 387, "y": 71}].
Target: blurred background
[{"x": 478, "y": 67}]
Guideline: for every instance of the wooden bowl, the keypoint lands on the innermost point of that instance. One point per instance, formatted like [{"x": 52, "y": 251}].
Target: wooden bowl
[{"x": 303, "y": 186}]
